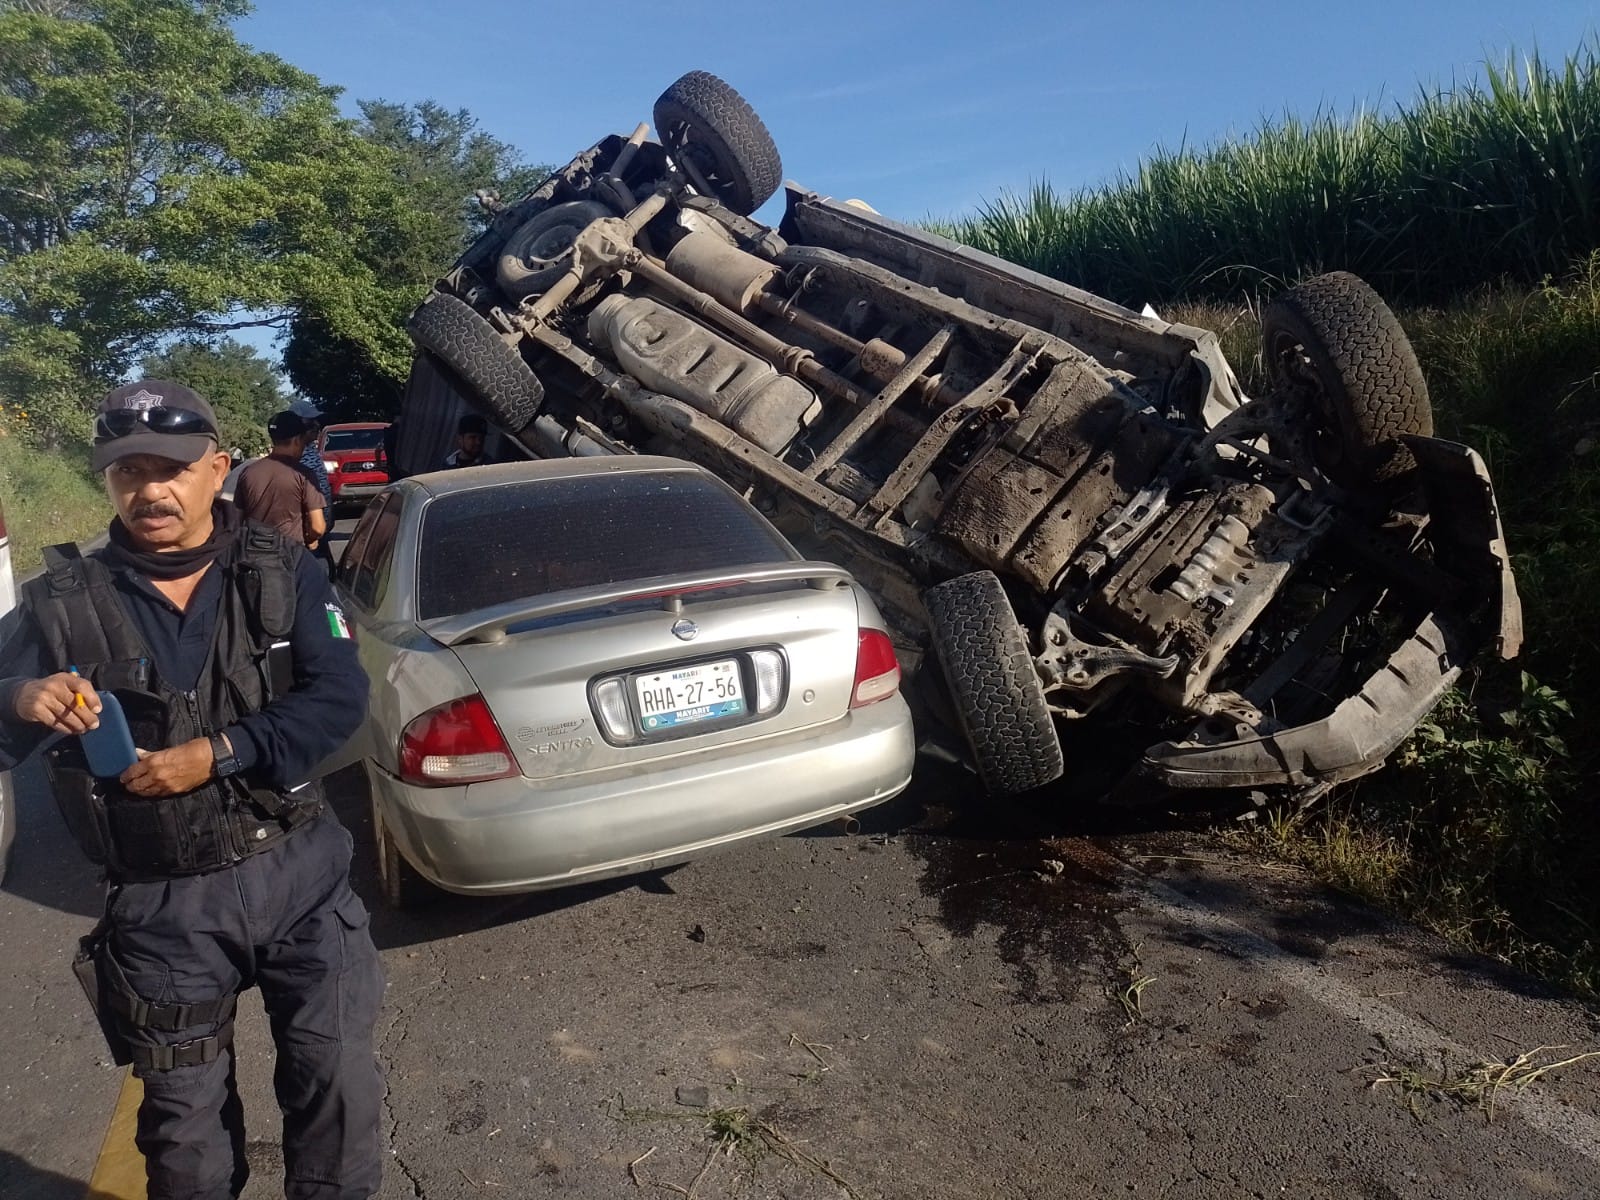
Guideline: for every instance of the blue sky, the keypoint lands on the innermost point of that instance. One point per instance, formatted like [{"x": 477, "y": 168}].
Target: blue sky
[
  {"x": 919, "y": 108},
  {"x": 922, "y": 109}
]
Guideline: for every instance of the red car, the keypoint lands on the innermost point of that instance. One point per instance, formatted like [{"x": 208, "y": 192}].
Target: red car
[{"x": 353, "y": 457}]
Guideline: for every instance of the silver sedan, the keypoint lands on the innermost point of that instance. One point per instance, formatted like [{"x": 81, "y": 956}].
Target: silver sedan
[{"x": 591, "y": 667}]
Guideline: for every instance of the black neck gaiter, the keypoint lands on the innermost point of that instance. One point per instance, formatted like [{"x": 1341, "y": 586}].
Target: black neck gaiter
[{"x": 176, "y": 564}]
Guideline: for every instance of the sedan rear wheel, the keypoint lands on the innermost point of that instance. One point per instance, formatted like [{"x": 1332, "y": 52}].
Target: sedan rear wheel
[
  {"x": 402, "y": 886},
  {"x": 996, "y": 691}
]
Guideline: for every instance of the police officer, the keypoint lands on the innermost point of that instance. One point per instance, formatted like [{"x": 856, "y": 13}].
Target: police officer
[{"x": 232, "y": 662}]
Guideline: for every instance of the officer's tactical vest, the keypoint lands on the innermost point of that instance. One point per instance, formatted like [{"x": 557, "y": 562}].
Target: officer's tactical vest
[{"x": 85, "y": 625}]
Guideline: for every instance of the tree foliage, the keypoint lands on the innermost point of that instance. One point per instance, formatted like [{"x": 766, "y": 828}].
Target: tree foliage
[
  {"x": 441, "y": 162},
  {"x": 445, "y": 162},
  {"x": 161, "y": 180},
  {"x": 242, "y": 386}
]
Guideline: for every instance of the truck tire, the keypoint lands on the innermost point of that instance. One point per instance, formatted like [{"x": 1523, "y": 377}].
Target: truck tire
[
  {"x": 535, "y": 256},
  {"x": 491, "y": 373},
  {"x": 703, "y": 120},
  {"x": 993, "y": 685},
  {"x": 1370, "y": 389}
]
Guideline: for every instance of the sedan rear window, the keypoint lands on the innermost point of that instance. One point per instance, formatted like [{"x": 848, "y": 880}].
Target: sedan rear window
[{"x": 496, "y": 544}]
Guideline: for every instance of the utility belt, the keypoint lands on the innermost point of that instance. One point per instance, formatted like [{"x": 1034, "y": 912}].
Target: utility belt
[
  {"x": 140, "y": 839},
  {"x": 150, "y": 859}
]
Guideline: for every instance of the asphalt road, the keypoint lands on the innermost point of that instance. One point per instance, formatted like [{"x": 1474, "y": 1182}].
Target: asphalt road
[
  {"x": 952, "y": 1003},
  {"x": 924, "y": 1009}
]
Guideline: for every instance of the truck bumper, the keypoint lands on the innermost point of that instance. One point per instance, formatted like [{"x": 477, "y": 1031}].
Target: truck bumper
[{"x": 1365, "y": 728}]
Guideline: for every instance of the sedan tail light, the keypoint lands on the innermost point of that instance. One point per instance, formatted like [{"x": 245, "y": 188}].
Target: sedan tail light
[
  {"x": 877, "y": 669},
  {"x": 455, "y": 743}
]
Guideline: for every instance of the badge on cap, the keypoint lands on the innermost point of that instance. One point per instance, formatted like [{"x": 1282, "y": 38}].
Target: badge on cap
[{"x": 142, "y": 401}]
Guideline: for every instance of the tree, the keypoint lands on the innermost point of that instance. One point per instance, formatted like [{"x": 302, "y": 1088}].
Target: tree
[
  {"x": 242, "y": 386},
  {"x": 440, "y": 161},
  {"x": 337, "y": 371},
  {"x": 159, "y": 179},
  {"x": 445, "y": 161}
]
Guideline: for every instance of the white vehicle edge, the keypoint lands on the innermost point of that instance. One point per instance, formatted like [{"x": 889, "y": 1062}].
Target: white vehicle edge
[{"x": 8, "y": 808}]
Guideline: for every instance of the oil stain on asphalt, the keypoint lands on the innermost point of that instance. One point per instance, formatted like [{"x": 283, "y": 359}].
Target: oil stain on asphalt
[{"x": 1053, "y": 901}]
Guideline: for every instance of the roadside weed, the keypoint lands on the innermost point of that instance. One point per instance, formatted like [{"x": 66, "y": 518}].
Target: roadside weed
[
  {"x": 730, "y": 1130},
  {"x": 1477, "y": 830},
  {"x": 1130, "y": 997},
  {"x": 48, "y": 497},
  {"x": 1479, "y": 1085}
]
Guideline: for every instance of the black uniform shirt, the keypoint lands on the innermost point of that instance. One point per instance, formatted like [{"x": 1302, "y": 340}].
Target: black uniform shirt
[{"x": 283, "y": 741}]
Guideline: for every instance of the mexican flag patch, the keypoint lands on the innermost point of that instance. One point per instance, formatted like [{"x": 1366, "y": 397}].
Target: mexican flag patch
[{"x": 337, "y": 625}]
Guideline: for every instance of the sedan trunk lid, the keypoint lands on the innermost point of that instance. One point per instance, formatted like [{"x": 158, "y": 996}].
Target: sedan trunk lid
[{"x": 542, "y": 692}]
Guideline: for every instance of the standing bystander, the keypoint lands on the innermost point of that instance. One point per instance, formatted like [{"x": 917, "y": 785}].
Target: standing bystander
[
  {"x": 391, "y": 449},
  {"x": 311, "y": 459},
  {"x": 471, "y": 431},
  {"x": 278, "y": 491}
]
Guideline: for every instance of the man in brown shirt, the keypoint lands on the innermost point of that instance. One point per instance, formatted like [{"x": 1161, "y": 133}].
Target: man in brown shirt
[{"x": 278, "y": 491}]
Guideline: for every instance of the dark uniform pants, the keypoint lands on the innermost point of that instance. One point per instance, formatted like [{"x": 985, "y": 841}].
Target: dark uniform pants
[{"x": 285, "y": 921}]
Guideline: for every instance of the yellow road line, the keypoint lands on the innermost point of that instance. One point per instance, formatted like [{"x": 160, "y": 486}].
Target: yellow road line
[{"x": 119, "y": 1171}]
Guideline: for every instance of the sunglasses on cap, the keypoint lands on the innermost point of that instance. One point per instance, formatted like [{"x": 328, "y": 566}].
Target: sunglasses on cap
[{"x": 122, "y": 422}]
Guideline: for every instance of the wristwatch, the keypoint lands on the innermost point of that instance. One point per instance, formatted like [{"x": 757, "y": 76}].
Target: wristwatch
[{"x": 224, "y": 762}]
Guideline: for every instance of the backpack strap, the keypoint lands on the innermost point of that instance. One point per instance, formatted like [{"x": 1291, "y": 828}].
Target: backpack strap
[
  {"x": 63, "y": 567},
  {"x": 73, "y": 625}
]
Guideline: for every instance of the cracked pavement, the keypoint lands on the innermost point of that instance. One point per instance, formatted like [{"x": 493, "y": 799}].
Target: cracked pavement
[{"x": 927, "y": 1009}]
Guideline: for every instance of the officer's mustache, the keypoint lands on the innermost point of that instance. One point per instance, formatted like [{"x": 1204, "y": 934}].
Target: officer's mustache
[{"x": 156, "y": 508}]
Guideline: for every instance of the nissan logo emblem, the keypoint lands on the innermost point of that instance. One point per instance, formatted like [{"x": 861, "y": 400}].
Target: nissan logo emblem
[{"x": 685, "y": 629}]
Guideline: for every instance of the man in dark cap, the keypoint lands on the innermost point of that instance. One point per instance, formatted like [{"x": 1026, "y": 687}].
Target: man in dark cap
[
  {"x": 311, "y": 459},
  {"x": 311, "y": 456},
  {"x": 471, "y": 430},
  {"x": 278, "y": 491},
  {"x": 233, "y": 664}
]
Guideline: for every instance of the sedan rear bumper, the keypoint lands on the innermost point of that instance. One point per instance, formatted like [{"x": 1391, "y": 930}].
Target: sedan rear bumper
[{"x": 521, "y": 835}]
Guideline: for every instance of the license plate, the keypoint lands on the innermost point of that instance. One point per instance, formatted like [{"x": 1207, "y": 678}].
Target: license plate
[{"x": 689, "y": 695}]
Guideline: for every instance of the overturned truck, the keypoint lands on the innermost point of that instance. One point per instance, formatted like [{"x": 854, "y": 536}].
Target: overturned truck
[{"x": 1071, "y": 508}]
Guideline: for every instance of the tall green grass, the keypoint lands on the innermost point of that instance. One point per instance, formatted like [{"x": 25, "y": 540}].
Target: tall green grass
[
  {"x": 1491, "y": 180},
  {"x": 49, "y": 497}
]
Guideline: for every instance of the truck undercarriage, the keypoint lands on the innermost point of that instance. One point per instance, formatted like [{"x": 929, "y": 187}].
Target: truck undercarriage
[{"x": 1072, "y": 506}]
